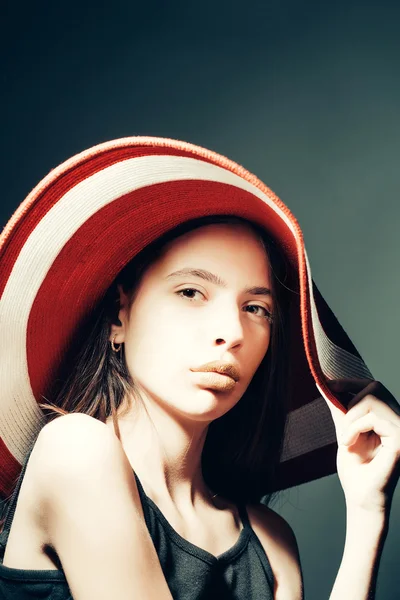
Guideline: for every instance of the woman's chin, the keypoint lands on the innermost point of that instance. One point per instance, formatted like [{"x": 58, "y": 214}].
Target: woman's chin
[{"x": 207, "y": 404}]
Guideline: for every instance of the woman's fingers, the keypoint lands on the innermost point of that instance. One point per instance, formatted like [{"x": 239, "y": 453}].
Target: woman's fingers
[
  {"x": 387, "y": 430},
  {"x": 368, "y": 435},
  {"x": 370, "y": 404},
  {"x": 337, "y": 416},
  {"x": 367, "y": 396}
]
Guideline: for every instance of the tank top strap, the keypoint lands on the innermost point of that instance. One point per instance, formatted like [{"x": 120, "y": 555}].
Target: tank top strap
[
  {"x": 11, "y": 505},
  {"x": 144, "y": 501}
]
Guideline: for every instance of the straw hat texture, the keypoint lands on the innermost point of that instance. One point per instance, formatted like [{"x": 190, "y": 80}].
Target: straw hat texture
[{"x": 78, "y": 228}]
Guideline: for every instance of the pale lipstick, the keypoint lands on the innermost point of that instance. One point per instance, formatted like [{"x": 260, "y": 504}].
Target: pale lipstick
[{"x": 218, "y": 374}]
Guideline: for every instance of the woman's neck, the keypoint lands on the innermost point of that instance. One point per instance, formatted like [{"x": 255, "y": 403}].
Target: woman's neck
[{"x": 165, "y": 453}]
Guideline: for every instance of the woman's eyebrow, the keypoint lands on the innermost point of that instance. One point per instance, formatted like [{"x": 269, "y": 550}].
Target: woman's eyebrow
[{"x": 257, "y": 290}]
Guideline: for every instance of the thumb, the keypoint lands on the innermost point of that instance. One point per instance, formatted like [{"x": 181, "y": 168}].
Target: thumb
[{"x": 337, "y": 416}]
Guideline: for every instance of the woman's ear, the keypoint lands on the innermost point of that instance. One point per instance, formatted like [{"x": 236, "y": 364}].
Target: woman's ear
[{"x": 118, "y": 329}]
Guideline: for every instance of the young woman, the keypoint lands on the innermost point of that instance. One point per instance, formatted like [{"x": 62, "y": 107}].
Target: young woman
[{"x": 167, "y": 363}]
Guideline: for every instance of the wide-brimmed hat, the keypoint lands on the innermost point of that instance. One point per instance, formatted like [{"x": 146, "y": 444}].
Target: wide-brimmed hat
[{"x": 86, "y": 220}]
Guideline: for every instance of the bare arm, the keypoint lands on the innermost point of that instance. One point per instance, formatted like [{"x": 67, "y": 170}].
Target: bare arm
[
  {"x": 356, "y": 579},
  {"x": 365, "y": 536},
  {"x": 93, "y": 515},
  {"x": 368, "y": 465}
]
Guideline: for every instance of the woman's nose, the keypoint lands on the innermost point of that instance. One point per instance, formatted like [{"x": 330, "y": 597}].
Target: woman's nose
[{"x": 228, "y": 328}]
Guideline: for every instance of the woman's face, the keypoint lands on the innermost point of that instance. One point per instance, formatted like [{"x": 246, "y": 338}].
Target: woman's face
[{"x": 180, "y": 321}]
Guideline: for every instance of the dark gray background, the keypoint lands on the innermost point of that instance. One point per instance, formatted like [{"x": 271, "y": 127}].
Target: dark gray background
[{"x": 304, "y": 94}]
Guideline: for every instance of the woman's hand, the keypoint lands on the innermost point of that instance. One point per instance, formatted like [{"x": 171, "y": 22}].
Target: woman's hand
[{"x": 368, "y": 458}]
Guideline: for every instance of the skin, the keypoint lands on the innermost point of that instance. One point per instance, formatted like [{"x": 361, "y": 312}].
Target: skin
[{"x": 165, "y": 334}]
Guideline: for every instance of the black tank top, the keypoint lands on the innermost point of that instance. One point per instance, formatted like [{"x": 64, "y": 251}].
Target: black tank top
[{"x": 241, "y": 573}]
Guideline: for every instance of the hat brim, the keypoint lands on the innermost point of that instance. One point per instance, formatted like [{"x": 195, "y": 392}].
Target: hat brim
[{"x": 79, "y": 227}]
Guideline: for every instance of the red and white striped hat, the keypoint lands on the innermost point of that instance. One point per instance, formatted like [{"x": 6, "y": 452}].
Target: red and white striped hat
[{"x": 78, "y": 228}]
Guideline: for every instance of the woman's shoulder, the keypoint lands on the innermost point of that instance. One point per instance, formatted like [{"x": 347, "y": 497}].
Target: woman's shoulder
[
  {"x": 77, "y": 460},
  {"x": 76, "y": 449},
  {"x": 80, "y": 424},
  {"x": 279, "y": 542},
  {"x": 72, "y": 440},
  {"x": 271, "y": 524},
  {"x": 73, "y": 457},
  {"x": 91, "y": 511}
]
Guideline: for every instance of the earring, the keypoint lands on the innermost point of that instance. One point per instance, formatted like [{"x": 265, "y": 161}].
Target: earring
[{"x": 113, "y": 346}]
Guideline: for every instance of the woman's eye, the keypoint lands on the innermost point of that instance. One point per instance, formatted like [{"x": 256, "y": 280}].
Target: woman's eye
[
  {"x": 190, "y": 296},
  {"x": 266, "y": 314}
]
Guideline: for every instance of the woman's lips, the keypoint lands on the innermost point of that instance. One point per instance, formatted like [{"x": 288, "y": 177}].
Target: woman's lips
[
  {"x": 214, "y": 380},
  {"x": 219, "y": 366}
]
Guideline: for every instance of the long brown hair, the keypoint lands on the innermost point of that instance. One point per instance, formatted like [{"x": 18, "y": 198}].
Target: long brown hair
[{"x": 243, "y": 447}]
